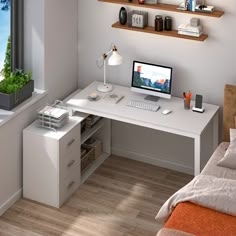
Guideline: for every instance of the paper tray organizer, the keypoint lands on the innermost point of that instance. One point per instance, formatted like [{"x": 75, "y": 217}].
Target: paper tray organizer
[{"x": 53, "y": 116}]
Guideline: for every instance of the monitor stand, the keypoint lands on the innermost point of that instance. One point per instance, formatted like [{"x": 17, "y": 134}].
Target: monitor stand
[{"x": 152, "y": 98}]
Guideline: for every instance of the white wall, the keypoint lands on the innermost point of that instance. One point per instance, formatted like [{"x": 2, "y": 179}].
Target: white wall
[
  {"x": 11, "y": 155},
  {"x": 34, "y": 40},
  {"x": 51, "y": 43},
  {"x": 202, "y": 67},
  {"x": 61, "y": 44}
]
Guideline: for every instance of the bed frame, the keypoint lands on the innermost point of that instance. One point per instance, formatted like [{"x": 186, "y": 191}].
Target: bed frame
[{"x": 229, "y": 110}]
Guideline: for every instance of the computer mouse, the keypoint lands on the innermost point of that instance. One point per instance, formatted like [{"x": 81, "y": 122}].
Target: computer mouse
[{"x": 166, "y": 111}]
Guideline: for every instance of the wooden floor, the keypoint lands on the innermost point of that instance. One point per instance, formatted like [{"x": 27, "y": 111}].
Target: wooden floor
[{"x": 120, "y": 199}]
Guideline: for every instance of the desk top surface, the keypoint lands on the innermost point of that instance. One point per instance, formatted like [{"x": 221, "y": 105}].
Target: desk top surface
[{"x": 179, "y": 121}]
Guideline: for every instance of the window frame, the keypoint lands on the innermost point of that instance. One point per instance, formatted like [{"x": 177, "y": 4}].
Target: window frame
[{"x": 17, "y": 34}]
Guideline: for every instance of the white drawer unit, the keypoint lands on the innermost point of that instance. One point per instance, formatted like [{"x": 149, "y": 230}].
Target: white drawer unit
[{"x": 51, "y": 162}]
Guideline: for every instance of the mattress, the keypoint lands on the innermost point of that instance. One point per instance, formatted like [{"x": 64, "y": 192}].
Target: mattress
[
  {"x": 201, "y": 221},
  {"x": 213, "y": 169}
]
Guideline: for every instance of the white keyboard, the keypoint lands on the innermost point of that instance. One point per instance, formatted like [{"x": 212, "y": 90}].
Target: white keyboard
[{"x": 143, "y": 105}]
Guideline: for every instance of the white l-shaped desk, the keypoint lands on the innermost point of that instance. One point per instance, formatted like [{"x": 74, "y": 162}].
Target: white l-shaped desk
[{"x": 180, "y": 121}]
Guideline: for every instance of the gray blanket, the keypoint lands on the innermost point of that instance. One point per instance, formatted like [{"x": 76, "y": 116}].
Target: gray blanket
[{"x": 208, "y": 191}]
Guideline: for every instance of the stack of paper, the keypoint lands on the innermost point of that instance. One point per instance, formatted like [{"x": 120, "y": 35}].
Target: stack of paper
[
  {"x": 187, "y": 29},
  {"x": 53, "y": 117}
]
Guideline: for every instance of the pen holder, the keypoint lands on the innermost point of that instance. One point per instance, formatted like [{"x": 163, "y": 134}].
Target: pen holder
[{"x": 187, "y": 103}]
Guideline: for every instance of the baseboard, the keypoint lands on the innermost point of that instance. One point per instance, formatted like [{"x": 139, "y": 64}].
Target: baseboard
[
  {"x": 16, "y": 196},
  {"x": 152, "y": 160}
]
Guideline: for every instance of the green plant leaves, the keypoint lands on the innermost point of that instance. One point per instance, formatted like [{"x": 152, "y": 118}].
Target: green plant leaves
[{"x": 13, "y": 81}]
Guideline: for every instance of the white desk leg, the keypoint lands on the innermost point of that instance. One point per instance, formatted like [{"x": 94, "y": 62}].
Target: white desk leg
[
  {"x": 197, "y": 155},
  {"x": 215, "y": 132},
  {"x": 107, "y": 136}
]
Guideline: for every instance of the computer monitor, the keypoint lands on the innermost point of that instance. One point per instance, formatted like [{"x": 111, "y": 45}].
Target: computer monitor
[{"x": 151, "y": 79}]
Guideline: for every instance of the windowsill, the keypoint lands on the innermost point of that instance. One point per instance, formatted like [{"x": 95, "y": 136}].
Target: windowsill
[{"x": 5, "y": 116}]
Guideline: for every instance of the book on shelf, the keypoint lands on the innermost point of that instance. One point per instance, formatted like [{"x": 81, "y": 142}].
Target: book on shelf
[
  {"x": 207, "y": 9},
  {"x": 189, "y": 28},
  {"x": 91, "y": 120},
  {"x": 190, "y": 5},
  {"x": 189, "y": 33}
]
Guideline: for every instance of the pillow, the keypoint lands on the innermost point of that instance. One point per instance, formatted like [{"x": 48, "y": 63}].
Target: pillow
[
  {"x": 229, "y": 159},
  {"x": 232, "y": 133}
]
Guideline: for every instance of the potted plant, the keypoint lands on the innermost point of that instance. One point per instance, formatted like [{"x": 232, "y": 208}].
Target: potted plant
[{"x": 16, "y": 86}]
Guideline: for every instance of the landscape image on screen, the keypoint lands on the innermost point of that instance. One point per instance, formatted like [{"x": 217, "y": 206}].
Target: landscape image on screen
[
  {"x": 152, "y": 77},
  {"x": 5, "y": 29}
]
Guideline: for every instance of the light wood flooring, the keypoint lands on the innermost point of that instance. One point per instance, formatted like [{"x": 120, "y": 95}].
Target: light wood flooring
[{"x": 120, "y": 199}]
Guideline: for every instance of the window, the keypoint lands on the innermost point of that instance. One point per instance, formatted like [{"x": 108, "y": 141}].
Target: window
[
  {"x": 5, "y": 29},
  {"x": 11, "y": 33}
]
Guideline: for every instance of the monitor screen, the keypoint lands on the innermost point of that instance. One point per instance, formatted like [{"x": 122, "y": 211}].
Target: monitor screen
[{"x": 151, "y": 79}]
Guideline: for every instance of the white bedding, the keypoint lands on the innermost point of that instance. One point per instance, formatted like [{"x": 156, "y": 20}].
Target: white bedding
[
  {"x": 208, "y": 191},
  {"x": 213, "y": 169}
]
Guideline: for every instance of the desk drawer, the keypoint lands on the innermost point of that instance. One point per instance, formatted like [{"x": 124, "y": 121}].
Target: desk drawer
[
  {"x": 69, "y": 150},
  {"x": 68, "y": 163},
  {"x": 69, "y": 184}
]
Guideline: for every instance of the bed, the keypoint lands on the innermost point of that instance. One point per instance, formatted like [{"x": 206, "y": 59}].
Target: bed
[{"x": 189, "y": 218}]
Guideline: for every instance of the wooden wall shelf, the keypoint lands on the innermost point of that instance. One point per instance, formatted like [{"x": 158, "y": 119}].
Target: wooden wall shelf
[
  {"x": 151, "y": 30},
  {"x": 164, "y": 7}
]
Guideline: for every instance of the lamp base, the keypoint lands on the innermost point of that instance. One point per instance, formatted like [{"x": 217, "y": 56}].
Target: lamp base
[{"x": 104, "y": 88}]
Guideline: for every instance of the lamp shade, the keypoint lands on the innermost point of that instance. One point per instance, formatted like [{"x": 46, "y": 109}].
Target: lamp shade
[{"x": 115, "y": 59}]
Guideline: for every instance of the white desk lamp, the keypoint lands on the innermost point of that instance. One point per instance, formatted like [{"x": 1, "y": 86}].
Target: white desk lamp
[{"x": 114, "y": 60}]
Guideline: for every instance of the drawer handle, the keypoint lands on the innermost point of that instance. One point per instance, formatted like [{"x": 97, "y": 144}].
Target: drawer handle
[
  {"x": 70, "y": 184},
  {"x": 71, "y": 163},
  {"x": 71, "y": 142}
]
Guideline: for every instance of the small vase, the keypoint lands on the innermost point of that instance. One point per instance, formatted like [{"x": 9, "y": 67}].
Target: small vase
[
  {"x": 141, "y": 1},
  {"x": 123, "y": 16}
]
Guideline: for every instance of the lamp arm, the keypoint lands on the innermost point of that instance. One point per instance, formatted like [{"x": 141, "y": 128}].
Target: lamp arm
[
  {"x": 105, "y": 55},
  {"x": 113, "y": 48},
  {"x": 104, "y": 71}
]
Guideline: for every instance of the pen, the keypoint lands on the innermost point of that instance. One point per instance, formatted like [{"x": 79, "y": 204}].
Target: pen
[
  {"x": 189, "y": 95},
  {"x": 119, "y": 99}
]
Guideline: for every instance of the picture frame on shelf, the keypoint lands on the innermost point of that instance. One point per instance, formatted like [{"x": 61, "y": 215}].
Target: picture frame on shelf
[{"x": 137, "y": 19}]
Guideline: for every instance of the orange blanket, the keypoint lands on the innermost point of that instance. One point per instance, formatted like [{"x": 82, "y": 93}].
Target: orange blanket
[{"x": 201, "y": 221}]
